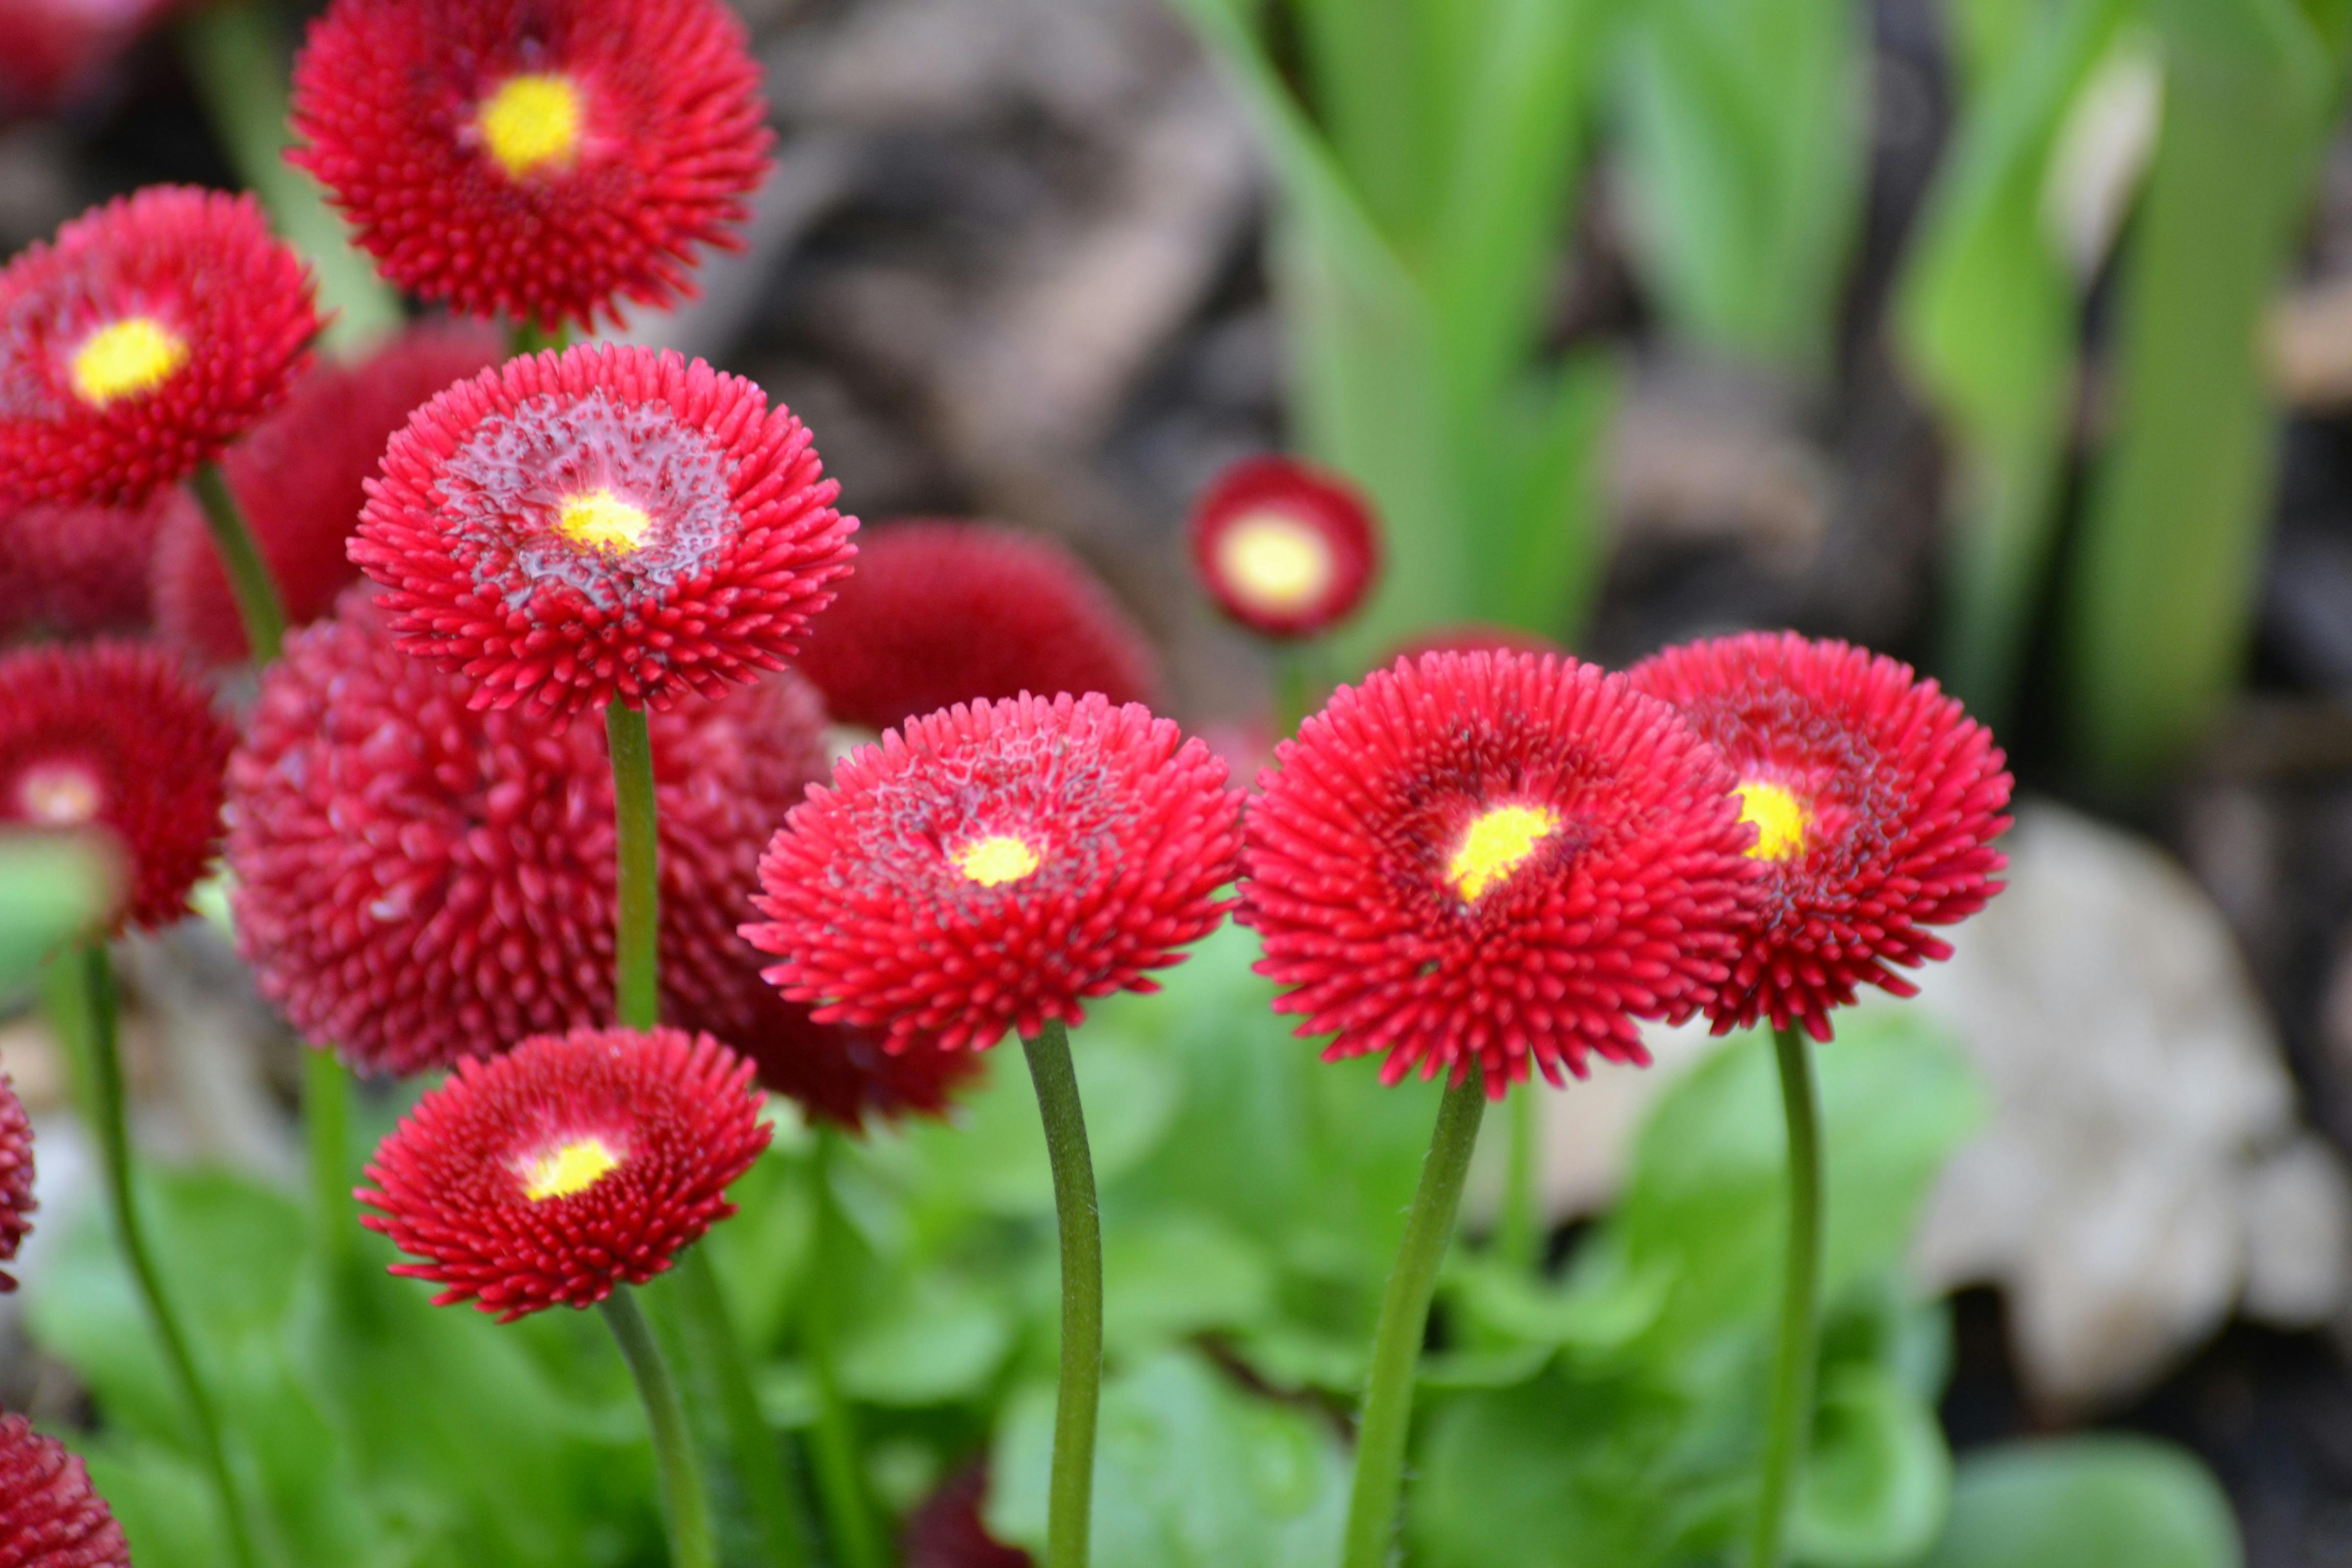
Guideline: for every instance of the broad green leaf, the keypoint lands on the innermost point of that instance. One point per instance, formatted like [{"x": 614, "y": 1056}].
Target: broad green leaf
[
  {"x": 938, "y": 1340},
  {"x": 2086, "y": 1503},
  {"x": 1879, "y": 1477},
  {"x": 1178, "y": 1274}
]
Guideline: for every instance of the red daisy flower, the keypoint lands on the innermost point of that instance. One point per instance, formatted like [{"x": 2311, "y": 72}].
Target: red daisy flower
[
  {"x": 54, "y": 51},
  {"x": 49, "y": 1516},
  {"x": 300, "y": 478},
  {"x": 572, "y": 1165},
  {"x": 17, "y": 1203},
  {"x": 539, "y": 158},
  {"x": 946, "y": 1530},
  {"x": 117, "y": 737},
  {"x": 993, "y": 865},
  {"x": 154, "y": 331},
  {"x": 1491, "y": 860},
  {"x": 606, "y": 522},
  {"x": 940, "y": 613},
  {"x": 1286, "y": 548},
  {"x": 80, "y": 571},
  {"x": 1875, "y": 802}
]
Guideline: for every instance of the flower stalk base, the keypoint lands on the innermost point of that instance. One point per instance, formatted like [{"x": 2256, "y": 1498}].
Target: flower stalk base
[
  {"x": 1792, "y": 1420},
  {"x": 1078, "y": 1398}
]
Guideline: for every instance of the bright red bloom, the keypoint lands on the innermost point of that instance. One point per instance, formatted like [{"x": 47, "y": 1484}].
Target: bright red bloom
[
  {"x": 80, "y": 571},
  {"x": 154, "y": 331},
  {"x": 16, "y": 1202},
  {"x": 940, "y": 613},
  {"x": 993, "y": 865},
  {"x": 572, "y": 1165},
  {"x": 538, "y": 159},
  {"x": 300, "y": 480},
  {"x": 1876, "y": 799},
  {"x": 1488, "y": 861},
  {"x": 1286, "y": 548},
  {"x": 49, "y": 1516},
  {"x": 606, "y": 522},
  {"x": 117, "y": 737},
  {"x": 52, "y": 51}
]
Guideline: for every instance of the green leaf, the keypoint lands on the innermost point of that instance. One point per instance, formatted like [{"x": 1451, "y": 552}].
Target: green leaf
[
  {"x": 1180, "y": 1274},
  {"x": 940, "y": 1340},
  {"x": 2086, "y": 1503},
  {"x": 1878, "y": 1479}
]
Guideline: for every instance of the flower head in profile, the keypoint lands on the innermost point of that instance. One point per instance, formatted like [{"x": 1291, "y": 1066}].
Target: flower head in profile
[
  {"x": 116, "y": 738},
  {"x": 573, "y": 1163},
  {"x": 16, "y": 1202},
  {"x": 1494, "y": 861},
  {"x": 540, "y": 159},
  {"x": 1286, "y": 550},
  {"x": 153, "y": 331},
  {"x": 995, "y": 864},
  {"x": 1876, "y": 801},
  {"x": 607, "y": 523},
  {"x": 50, "y": 1517},
  {"x": 82, "y": 570}
]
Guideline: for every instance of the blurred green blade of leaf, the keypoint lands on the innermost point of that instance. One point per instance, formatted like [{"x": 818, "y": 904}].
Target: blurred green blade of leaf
[
  {"x": 52, "y": 886},
  {"x": 2086, "y": 1503},
  {"x": 1879, "y": 1480}
]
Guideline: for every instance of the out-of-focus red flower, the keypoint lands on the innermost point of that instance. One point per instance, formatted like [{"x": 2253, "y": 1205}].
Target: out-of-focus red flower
[
  {"x": 49, "y": 1515},
  {"x": 945, "y": 1531},
  {"x": 81, "y": 571},
  {"x": 1286, "y": 548},
  {"x": 16, "y": 1202},
  {"x": 54, "y": 51}
]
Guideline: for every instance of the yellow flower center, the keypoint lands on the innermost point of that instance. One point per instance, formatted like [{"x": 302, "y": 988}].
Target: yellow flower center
[
  {"x": 1780, "y": 820},
  {"x": 125, "y": 358},
  {"x": 996, "y": 861},
  {"x": 532, "y": 120},
  {"x": 57, "y": 796},
  {"x": 1498, "y": 844},
  {"x": 1274, "y": 560},
  {"x": 571, "y": 1169},
  {"x": 602, "y": 520}
]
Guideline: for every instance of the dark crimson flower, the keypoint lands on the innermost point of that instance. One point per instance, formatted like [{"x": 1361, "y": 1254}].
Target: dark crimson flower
[
  {"x": 1875, "y": 802},
  {"x": 81, "y": 571},
  {"x": 17, "y": 1203},
  {"x": 573, "y": 1163},
  {"x": 536, "y": 158},
  {"x": 1471, "y": 637},
  {"x": 1488, "y": 861},
  {"x": 49, "y": 1516},
  {"x": 154, "y": 331},
  {"x": 117, "y": 737},
  {"x": 606, "y": 522},
  {"x": 946, "y": 1531},
  {"x": 1286, "y": 548},
  {"x": 940, "y": 613},
  {"x": 53, "y": 52},
  {"x": 301, "y": 482}
]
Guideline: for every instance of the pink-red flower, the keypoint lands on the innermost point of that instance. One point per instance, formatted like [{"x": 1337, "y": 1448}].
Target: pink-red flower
[
  {"x": 155, "y": 330},
  {"x": 16, "y": 1202},
  {"x": 1494, "y": 861},
  {"x": 572, "y": 1165},
  {"x": 54, "y": 51},
  {"x": 542, "y": 159},
  {"x": 81, "y": 571},
  {"x": 1286, "y": 548},
  {"x": 608, "y": 522},
  {"x": 1875, "y": 802},
  {"x": 49, "y": 1515},
  {"x": 995, "y": 864}
]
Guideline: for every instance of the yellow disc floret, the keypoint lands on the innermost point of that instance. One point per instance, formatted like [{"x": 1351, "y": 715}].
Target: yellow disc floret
[
  {"x": 602, "y": 520},
  {"x": 1780, "y": 820},
  {"x": 125, "y": 358},
  {"x": 532, "y": 120},
  {"x": 996, "y": 861},
  {"x": 1498, "y": 844},
  {"x": 1274, "y": 560},
  {"x": 574, "y": 1168}
]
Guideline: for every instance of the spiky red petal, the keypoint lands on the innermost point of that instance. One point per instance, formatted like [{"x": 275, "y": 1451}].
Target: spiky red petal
[{"x": 17, "y": 1201}]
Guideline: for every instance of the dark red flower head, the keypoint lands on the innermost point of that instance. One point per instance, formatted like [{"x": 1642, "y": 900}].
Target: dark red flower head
[
  {"x": 542, "y": 159},
  {"x": 572, "y": 1165},
  {"x": 1875, "y": 802},
  {"x": 994, "y": 865},
  {"x": 1286, "y": 550},
  {"x": 154, "y": 331},
  {"x": 940, "y": 613},
  {"x": 17, "y": 1203},
  {"x": 1492, "y": 860},
  {"x": 117, "y": 737},
  {"x": 605, "y": 522},
  {"x": 81, "y": 571},
  {"x": 300, "y": 478},
  {"x": 946, "y": 1530},
  {"x": 49, "y": 1516},
  {"x": 53, "y": 52}
]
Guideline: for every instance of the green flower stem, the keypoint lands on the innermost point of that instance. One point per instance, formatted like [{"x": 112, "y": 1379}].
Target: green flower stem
[
  {"x": 1079, "y": 1397},
  {"x": 685, "y": 1506},
  {"x": 637, "y": 951},
  {"x": 248, "y": 574},
  {"x": 1791, "y": 1421},
  {"x": 710, "y": 1333},
  {"x": 1518, "y": 1236},
  {"x": 82, "y": 1006},
  {"x": 1387, "y": 1419},
  {"x": 840, "y": 1474}
]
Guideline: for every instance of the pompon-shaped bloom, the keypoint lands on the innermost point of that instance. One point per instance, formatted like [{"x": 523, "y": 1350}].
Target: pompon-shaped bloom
[
  {"x": 1876, "y": 801},
  {"x": 300, "y": 478},
  {"x": 1492, "y": 860},
  {"x": 1286, "y": 548},
  {"x": 81, "y": 571},
  {"x": 116, "y": 737},
  {"x": 573, "y": 1163},
  {"x": 994, "y": 865},
  {"x": 155, "y": 330},
  {"x": 16, "y": 1202},
  {"x": 942, "y": 612},
  {"x": 605, "y": 522},
  {"x": 540, "y": 159},
  {"x": 50, "y": 1516}
]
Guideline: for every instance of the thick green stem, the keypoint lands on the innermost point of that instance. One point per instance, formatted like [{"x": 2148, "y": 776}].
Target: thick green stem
[
  {"x": 327, "y": 1129},
  {"x": 81, "y": 1005},
  {"x": 1792, "y": 1420},
  {"x": 685, "y": 1506},
  {"x": 1387, "y": 1419},
  {"x": 1079, "y": 1399},
  {"x": 710, "y": 1333},
  {"x": 258, "y": 603},
  {"x": 840, "y": 1472},
  {"x": 1518, "y": 1236},
  {"x": 636, "y": 978}
]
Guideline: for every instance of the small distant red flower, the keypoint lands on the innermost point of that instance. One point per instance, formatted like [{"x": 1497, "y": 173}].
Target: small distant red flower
[
  {"x": 81, "y": 571},
  {"x": 1876, "y": 801},
  {"x": 945, "y": 1531},
  {"x": 1488, "y": 860},
  {"x": 16, "y": 1202},
  {"x": 541, "y": 159},
  {"x": 49, "y": 1515},
  {"x": 154, "y": 331},
  {"x": 573, "y": 1163},
  {"x": 940, "y": 612},
  {"x": 117, "y": 737},
  {"x": 606, "y": 522},
  {"x": 1286, "y": 548},
  {"x": 995, "y": 864}
]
